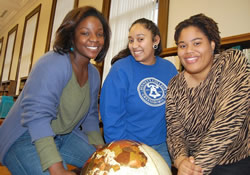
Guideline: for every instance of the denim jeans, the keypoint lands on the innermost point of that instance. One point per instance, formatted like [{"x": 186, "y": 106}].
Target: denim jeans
[
  {"x": 162, "y": 149},
  {"x": 22, "y": 158}
]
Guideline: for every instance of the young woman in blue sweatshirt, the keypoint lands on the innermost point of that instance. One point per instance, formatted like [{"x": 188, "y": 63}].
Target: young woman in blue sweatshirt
[{"x": 133, "y": 96}]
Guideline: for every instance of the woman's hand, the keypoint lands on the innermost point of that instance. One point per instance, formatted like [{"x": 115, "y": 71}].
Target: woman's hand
[
  {"x": 58, "y": 169},
  {"x": 186, "y": 166}
]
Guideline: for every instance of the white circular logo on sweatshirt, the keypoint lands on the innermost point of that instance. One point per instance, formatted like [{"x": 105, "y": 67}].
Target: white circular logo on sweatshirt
[{"x": 152, "y": 91}]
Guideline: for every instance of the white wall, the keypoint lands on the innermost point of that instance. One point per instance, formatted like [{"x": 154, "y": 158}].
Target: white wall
[{"x": 232, "y": 16}]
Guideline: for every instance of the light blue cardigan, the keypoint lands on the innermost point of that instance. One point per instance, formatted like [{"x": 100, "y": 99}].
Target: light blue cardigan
[{"x": 37, "y": 105}]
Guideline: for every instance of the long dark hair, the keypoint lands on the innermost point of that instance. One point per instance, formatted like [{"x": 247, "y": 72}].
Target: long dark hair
[
  {"x": 65, "y": 33},
  {"x": 151, "y": 26},
  {"x": 207, "y": 25}
]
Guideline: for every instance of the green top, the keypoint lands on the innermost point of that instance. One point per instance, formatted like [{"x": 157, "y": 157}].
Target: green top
[{"x": 74, "y": 104}]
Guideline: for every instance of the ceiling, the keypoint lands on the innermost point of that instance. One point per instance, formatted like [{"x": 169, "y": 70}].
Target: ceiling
[{"x": 11, "y": 10}]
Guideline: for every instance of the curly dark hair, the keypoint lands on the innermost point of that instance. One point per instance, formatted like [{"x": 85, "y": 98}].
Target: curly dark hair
[
  {"x": 151, "y": 26},
  {"x": 65, "y": 33},
  {"x": 207, "y": 25}
]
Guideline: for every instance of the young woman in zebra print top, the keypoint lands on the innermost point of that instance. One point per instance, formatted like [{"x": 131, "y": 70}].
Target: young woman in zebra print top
[{"x": 208, "y": 104}]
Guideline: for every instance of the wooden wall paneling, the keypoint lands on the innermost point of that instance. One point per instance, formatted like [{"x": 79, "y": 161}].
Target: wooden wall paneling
[
  {"x": 106, "y": 8},
  {"x": 163, "y": 20},
  {"x": 9, "y": 52},
  {"x": 105, "y": 11},
  {"x": 226, "y": 43},
  {"x": 58, "y": 11},
  {"x": 28, "y": 44},
  {"x": 1, "y": 45}
]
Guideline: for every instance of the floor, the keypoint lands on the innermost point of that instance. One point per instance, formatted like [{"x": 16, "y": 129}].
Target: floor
[{"x": 4, "y": 170}]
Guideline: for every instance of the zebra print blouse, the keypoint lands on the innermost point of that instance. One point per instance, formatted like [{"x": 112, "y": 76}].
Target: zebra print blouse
[{"x": 211, "y": 121}]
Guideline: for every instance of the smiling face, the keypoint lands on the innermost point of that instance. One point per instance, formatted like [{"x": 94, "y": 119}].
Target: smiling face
[
  {"x": 141, "y": 44},
  {"x": 195, "y": 52},
  {"x": 89, "y": 37}
]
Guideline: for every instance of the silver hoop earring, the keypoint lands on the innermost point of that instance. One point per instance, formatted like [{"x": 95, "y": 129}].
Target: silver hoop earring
[{"x": 155, "y": 46}]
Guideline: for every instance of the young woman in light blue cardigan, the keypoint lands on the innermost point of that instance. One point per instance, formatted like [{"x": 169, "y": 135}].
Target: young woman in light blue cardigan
[{"x": 55, "y": 119}]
